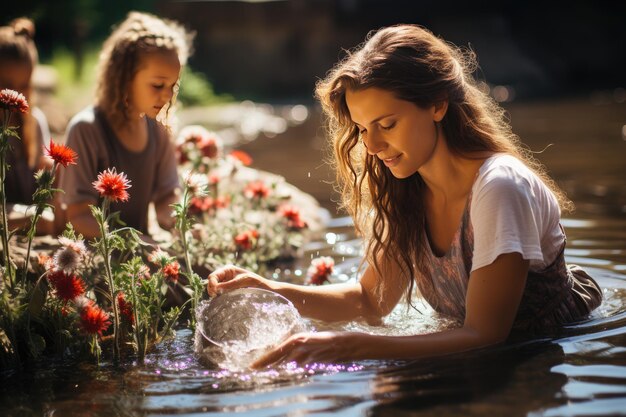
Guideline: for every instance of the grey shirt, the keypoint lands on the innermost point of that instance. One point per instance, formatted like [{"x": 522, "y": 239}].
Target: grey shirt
[{"x": 152, "y": 171}]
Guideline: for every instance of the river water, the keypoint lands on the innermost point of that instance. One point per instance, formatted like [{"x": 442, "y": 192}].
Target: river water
[{"x": 580, "y": 372}]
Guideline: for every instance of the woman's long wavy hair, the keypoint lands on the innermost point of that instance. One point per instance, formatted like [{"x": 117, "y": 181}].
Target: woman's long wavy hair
[
  {"x": 139, "y": 35},
  {"x": 17, "y": 47},
  {"x": 418, "y": 67}
]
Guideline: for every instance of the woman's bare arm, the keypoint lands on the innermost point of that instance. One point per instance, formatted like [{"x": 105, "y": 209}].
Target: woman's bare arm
[
  {"x": 164, "y": 210},
  {"x": 336, "y": 302},
  {"x": 493, "y": 298}
]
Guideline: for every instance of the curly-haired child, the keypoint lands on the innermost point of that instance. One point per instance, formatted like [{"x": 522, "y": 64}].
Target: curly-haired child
[{"x": 126, "y": 128}]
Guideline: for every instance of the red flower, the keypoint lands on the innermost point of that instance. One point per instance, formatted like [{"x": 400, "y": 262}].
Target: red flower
[
  {"x": 126, "y": 308},
  {"x": 242, "y": 157},
  {"x": 207, "y": 204},
  {"x": 207, "y": 143},
  {"x": 292, "y": 214},
  {"x": 112, "y": 185},
  {"x": 209, "y": 146},
  {"x": 93, "y": 319},
  {"x": 182, "y": 154},
  {"x": 256, "y": 189},
  {"x": 61, "y": 154},
  {"x": 197, "y": 205},
  {"x": 320, "y": 269},
  {"x": 222, "y": 201},
  {"x": 66, "y": 286},
  {"x": 171, "y": 271},
  {"x": 13, "y": 101},
  {"x": 244, "y": 240},
  {"x": 214, "y": 179}
]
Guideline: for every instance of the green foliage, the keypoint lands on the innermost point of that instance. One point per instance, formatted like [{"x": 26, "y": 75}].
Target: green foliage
[
  {"x": 69, "y": 21},
  {"x": 196, "y": 90},
  {"x": 75, "y": 93}
]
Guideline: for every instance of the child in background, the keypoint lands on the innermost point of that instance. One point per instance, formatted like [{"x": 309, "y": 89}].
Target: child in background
[
  {"x": 18, "y": 58},
  {"x": 139, "y": 72}
]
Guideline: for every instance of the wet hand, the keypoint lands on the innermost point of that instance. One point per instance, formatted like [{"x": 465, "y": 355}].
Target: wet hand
[
  {"x": 231, "y": 277},
  {"x": 306, "y": 348}
]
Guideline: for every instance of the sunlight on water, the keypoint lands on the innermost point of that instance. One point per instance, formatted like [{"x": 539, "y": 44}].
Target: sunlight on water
[{"x": 402, "y": 321}]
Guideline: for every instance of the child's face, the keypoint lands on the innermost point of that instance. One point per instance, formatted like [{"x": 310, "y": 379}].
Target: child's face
[
  {"x": 398, "y": 132},
  {"x": 154, "y": 83},
  {"x": 16, "y": 76}
]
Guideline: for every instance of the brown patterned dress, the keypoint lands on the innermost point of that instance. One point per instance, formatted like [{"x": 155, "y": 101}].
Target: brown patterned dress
[{"x": 556, "y": 295}]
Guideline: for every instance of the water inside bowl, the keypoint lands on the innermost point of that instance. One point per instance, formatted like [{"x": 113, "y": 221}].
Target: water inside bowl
[{"x": 236, "y": 327}]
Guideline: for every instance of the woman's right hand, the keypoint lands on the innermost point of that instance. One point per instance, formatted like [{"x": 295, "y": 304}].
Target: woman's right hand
[{"x": 230, "y": 277}]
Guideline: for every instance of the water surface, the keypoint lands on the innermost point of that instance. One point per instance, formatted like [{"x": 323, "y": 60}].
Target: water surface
[{"x": 580, "y": 372}]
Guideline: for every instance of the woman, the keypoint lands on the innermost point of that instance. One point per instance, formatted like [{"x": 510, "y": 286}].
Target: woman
[{"x": 448, "y": 201}]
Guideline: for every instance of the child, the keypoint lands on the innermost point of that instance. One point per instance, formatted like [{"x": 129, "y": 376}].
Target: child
[
  {"x": 18, "y": 58},
  {"x": 448, "y": 201},
  {"x": 139, "y": 71}
]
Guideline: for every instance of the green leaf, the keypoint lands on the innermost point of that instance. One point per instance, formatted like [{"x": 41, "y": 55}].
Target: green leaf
[
  {"x": 96, "y": 212},
  {"x": 11, "y": 131}
]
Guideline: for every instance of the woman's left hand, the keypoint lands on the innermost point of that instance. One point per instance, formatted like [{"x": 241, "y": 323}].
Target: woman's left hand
[{"x": 305, "y": 348}]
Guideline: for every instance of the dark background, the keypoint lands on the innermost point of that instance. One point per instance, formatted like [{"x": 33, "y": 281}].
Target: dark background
[{"x": 275, "y": 50}]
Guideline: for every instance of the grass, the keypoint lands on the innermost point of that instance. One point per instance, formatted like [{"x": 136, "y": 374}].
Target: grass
[{"x": 196, "y": 90}]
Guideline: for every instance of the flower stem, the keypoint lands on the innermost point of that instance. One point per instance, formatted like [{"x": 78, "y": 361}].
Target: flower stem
[
  {"x": 183, "y": 234},
  {"x": 141, "y": 348},
  {"x": 158, "y": 301},
  {"x": 6, "y": 257},
  {"x": 95, "y": 348},
  {"x": 107, "y": 264},
  {"x": 31, "y": 235},
  {"x": 44, "y": 189}
]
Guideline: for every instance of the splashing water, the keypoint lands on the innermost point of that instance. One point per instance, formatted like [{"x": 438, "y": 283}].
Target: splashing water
[{"x": 236, "y": 328}]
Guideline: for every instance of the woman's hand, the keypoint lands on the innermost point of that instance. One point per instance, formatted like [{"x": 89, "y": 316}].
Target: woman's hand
[
  {"x": 231, "y": 277},
  {"x": 305, "y": 348}
]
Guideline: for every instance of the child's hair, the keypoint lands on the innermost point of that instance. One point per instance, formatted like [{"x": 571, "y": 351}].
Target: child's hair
[
  {"x": 120, "y": 59},
  {"x": 17, "y": 47},
  {"x": 418, "y": 67},
  {"x": 16, "y": 42}
]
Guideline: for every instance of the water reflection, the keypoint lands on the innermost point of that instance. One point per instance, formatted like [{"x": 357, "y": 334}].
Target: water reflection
[
  {"x": 583, "y": 364},
  {"x": 499, "y": 381}
]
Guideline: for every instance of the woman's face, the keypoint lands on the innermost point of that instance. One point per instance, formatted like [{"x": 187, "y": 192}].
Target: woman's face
[
  {"x": 153, "y": 85},
  {"x": 397, "y": 132}
]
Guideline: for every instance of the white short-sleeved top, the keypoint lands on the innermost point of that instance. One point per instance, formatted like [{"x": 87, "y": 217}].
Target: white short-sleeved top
[{"x": 512, "y": 210}]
